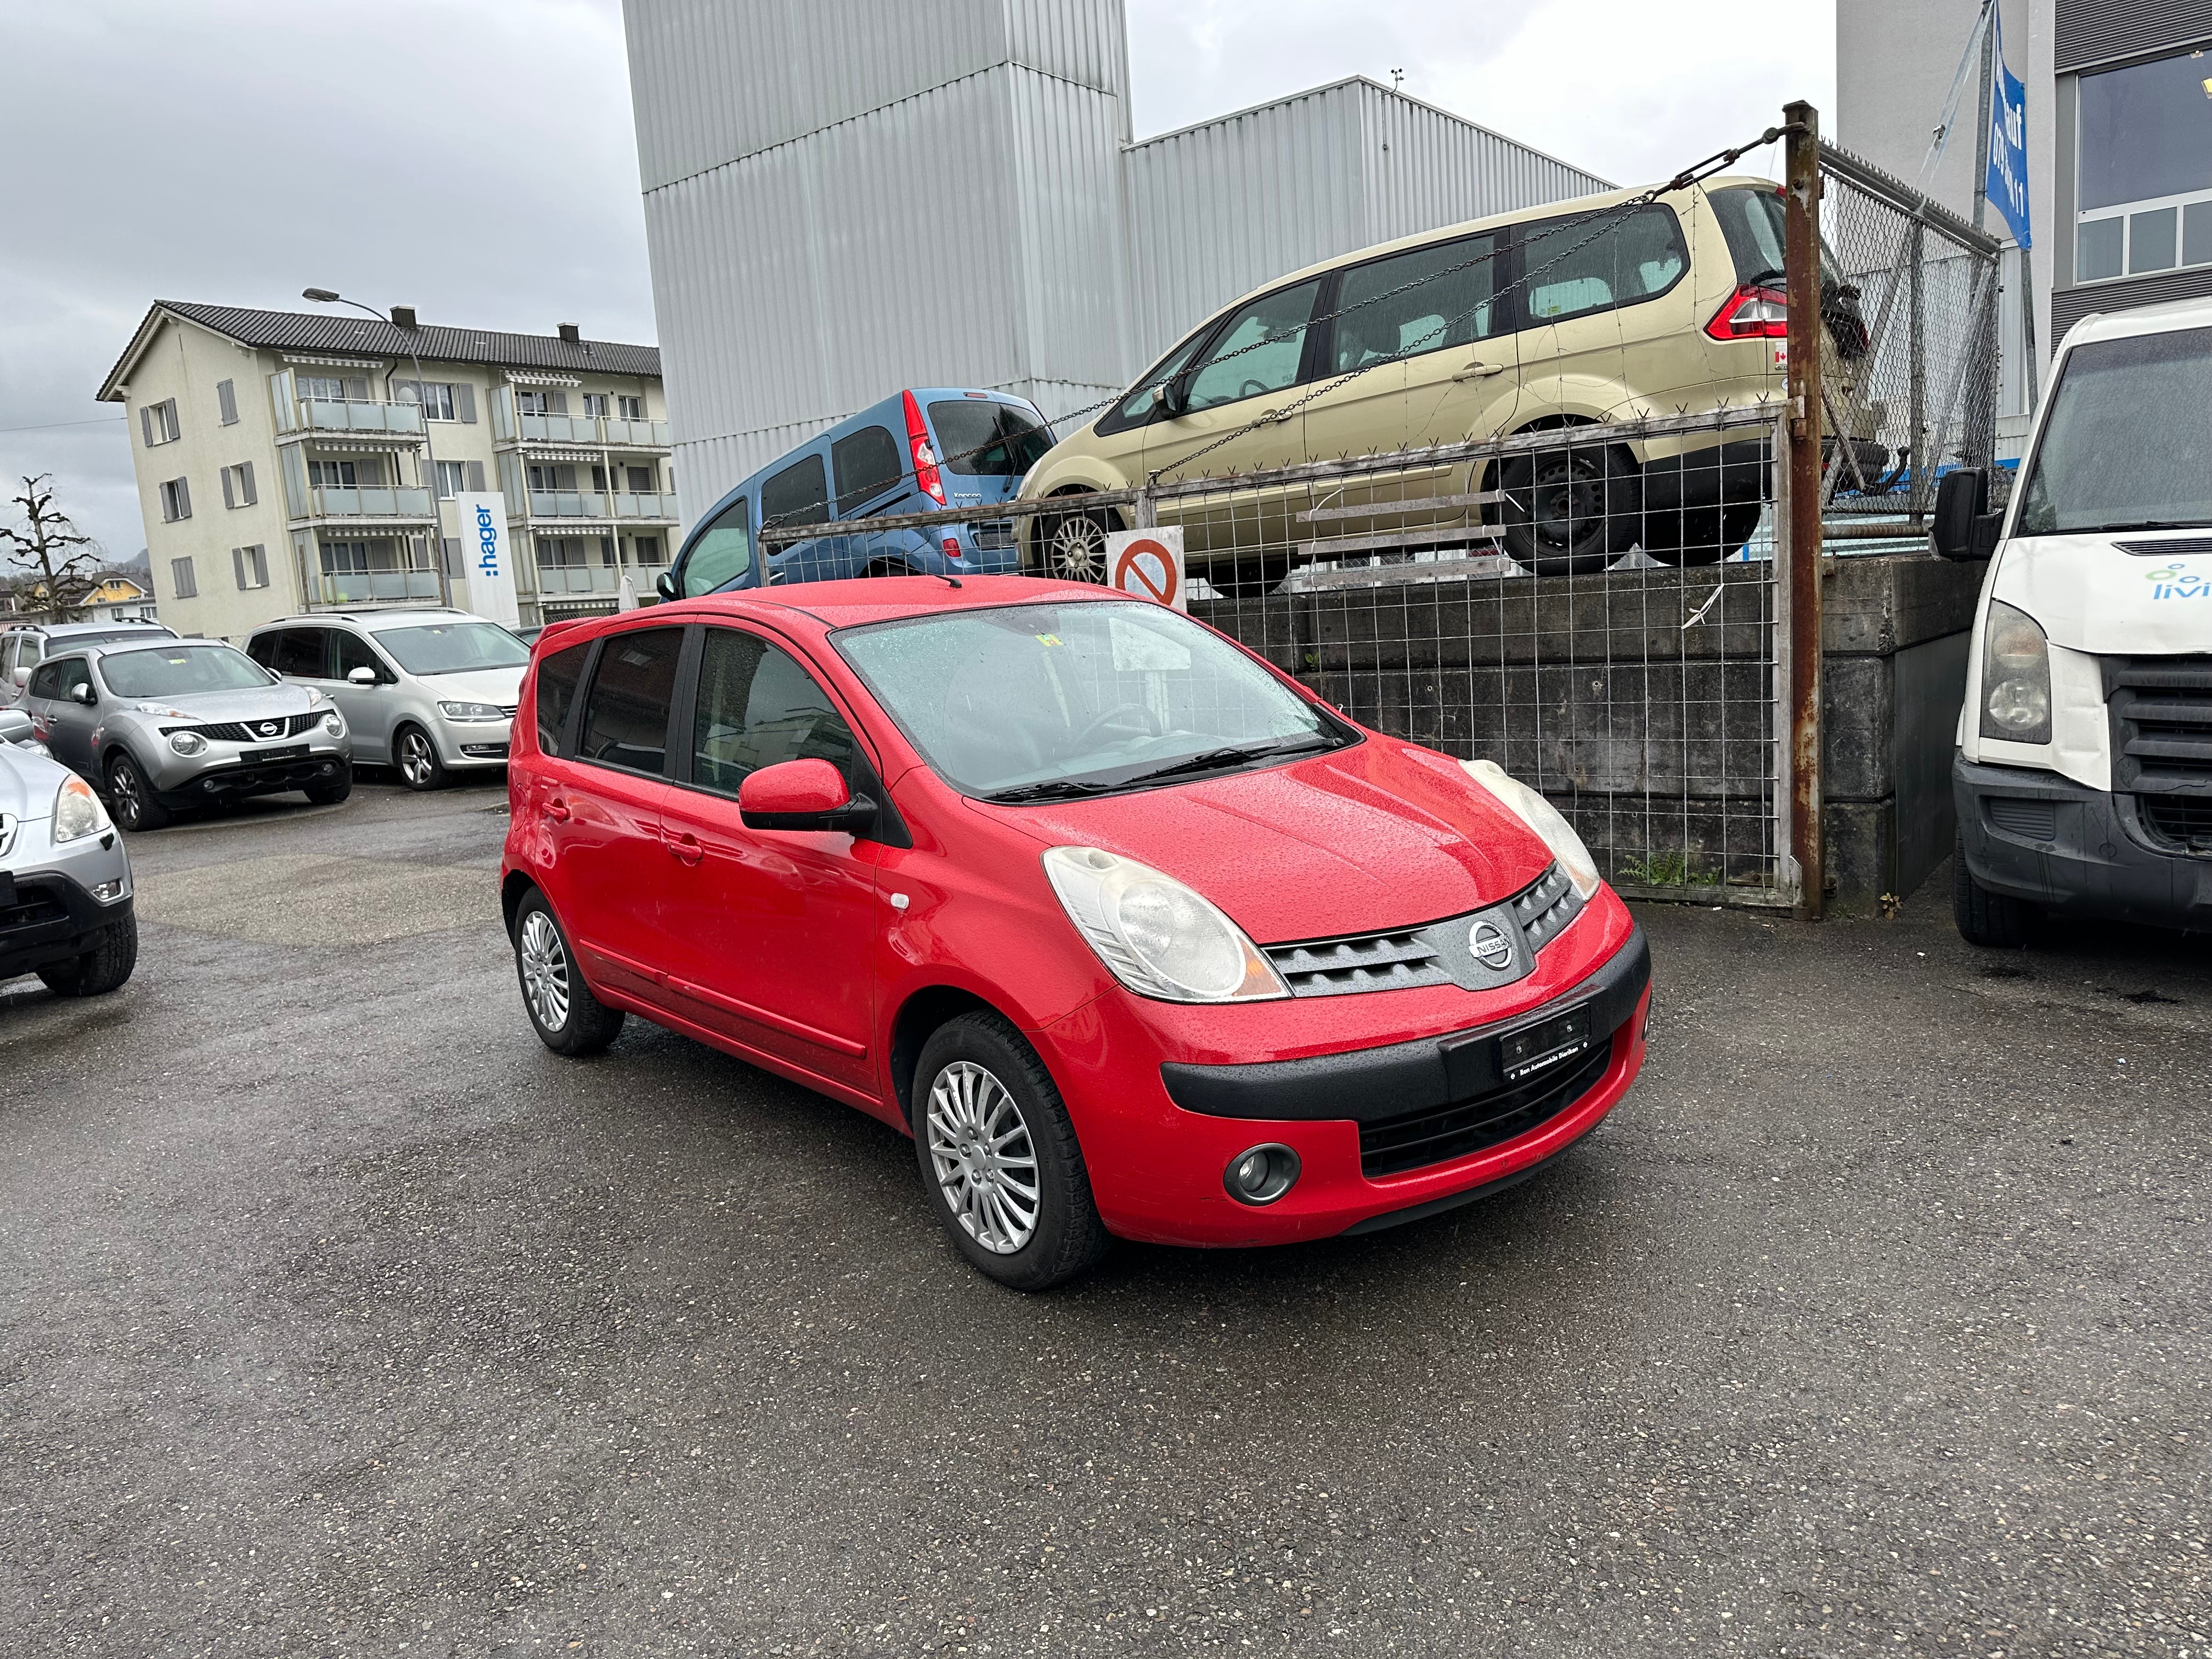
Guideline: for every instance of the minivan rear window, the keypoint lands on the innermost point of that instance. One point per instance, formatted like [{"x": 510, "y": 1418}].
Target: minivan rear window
[
  {"x": 982, "y": 439},
  {"x": 866, "y": 464},
  {"x": 1594, "y": 262},
  {"x": 1751, "y": 224}
]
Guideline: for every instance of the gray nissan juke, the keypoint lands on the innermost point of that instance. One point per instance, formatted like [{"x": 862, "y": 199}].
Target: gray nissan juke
[{"x": 161, "y": 726}]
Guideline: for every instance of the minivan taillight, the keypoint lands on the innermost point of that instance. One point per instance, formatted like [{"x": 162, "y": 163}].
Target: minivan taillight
[
  {"x": 925, "y": 457},
  {"x": 1751, "y": 313}
]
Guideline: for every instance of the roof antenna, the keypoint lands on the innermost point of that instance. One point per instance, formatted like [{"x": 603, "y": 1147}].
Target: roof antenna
[{"x": 942, "y": 577}]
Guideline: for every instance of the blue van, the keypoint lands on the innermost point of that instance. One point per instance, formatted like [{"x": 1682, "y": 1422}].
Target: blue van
[{"x": 915, "y": 452}]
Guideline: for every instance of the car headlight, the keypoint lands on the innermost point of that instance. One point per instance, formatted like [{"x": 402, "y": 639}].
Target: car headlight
[
  {"x": 334, "y": 724},
  {"x": 1540, "y": 815},
  {"x": 1156, "y": 935},
  {"x": 187, "y": 743},
  {"x": 472, "y": 711},
  {"x": 77, "y": 812},
  {"x": 2015, "y": 676}
]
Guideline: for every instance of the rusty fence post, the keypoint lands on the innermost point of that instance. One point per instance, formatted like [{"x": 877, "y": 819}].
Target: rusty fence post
[{"x": 1801, "y": 275}]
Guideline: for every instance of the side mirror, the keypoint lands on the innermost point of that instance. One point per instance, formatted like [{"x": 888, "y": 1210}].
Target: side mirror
[
  {"x": 802, "y": 794},
  {"x": 1174, "y": 396},
  {"x": 83, "y": 692},
  {"x": 363, "y": 675},
  {"x": 21, "y": 677},
  {"x": 1964, "y": 526},
  {"x": 15, "y": 726},
  {"x": 664, "y": 585}
]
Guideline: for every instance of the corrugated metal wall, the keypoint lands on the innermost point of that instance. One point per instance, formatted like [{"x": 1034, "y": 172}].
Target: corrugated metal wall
[{"x": 1220, "y": 208}]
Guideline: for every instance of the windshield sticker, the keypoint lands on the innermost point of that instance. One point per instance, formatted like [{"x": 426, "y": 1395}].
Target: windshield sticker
[
  {"x": 2178, "y": 581},
  {"x": 1048, "y": 638}
]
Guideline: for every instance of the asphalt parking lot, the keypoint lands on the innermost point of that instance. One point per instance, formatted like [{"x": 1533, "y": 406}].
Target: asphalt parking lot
[{"x": 337, "y": 1317}]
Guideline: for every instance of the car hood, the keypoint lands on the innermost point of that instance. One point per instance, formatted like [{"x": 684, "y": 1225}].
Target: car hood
[
  {"x": 502, "y": 686},
  {"x": 27, "y": 782},
  {"x": 2090, "y": 596},
  {"x": 213, "y": 708},
  {"x": 1381, "y": 835}
]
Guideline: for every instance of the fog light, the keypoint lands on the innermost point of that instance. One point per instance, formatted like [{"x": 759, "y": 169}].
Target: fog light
[
  {"x": 1262, "y": 1174},
  {"x": 108, "y": 891}
]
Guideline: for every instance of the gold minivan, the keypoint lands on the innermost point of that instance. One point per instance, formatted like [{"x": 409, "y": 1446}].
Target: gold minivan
[{"x": 1572, "y": 313}]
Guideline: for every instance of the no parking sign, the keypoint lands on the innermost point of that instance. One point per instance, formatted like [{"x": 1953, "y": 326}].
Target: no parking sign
[{"x": 1147, "y": 564}]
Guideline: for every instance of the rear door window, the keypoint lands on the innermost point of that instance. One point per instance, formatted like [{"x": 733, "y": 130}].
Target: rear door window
[
  {"x": 866, "y": 464},
  {"x": 798, "y": 495},
  {"x": 1599, "y": 261},
  {"x": 558, "y": 676},
  {"x": 1258, "y": 351},
  {"x": 758, "y": 706},
  {"x": 723, "y": 555},
  {"x": 303, "y": 653},
  {"x": 981, "y": 438},
  {"x": 47, "y": 682},
  {"x": 1424, "y": 299},
  {"x": 626, "y": 713}
]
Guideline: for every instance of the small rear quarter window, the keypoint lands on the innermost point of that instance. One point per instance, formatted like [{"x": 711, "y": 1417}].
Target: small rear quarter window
[{"x": 558, "y": 676}]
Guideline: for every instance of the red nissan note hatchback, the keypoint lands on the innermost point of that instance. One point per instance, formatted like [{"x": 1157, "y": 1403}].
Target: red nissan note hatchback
[{"x": 1134, "y": 935}]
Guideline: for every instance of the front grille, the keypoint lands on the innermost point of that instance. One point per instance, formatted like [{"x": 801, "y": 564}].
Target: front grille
[
  {"x": 2184, "y": 822},
  {"x": 1371, "y": 962},
  {"x": 1546, "y": 908},
  {"x": 992, "y": 535},
  {"x": 249, "y": 731},
  {"x": 34, "y": 907},
  {"x": 2034, "y": 820},
  {"x": 1395, "y": 1145},
  {"x": 1433, "y": 953},
  {"x": 2161, "y": 712},
  {"x": 2175, "y": 548}
]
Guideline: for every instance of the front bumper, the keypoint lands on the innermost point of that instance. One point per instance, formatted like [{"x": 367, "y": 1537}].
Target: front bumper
[
  {"x": 231, "y": 772},
  {"x": 48, "y": 910},
  {"x": 463, "y": 745},
  {"x": 1157, "y": 1145},
  {"x": 2073, "y": 850}
]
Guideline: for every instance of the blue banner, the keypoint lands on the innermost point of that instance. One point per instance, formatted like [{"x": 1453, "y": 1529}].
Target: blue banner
[{"x": 2007, "y": 181}]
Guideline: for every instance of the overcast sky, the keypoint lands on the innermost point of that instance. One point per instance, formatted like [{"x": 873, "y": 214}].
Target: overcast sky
[{"x": 476, "y": 158}]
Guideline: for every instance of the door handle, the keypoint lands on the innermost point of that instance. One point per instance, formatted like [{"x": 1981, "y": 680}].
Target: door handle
[
  {"x": 557, "y": 810},
  {"x": 1479, "y": 371},
  {"x": 686, "y": 848}
]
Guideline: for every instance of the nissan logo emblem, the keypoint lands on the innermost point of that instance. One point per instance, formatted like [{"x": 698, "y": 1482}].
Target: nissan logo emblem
[
  {"x": 269, "y": 728},
  {"x": 1491, "y": 947}
]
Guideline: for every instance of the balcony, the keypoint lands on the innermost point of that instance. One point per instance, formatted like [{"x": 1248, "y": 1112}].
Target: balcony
[
  {"x": 554, "y": 580},
  {"x": 394, "y": 420},
  {"x": 600, "y": 431},
  {"x": 340, "y": 502},
  {"x": 377, "y": 587},
  {"x": 594, "y": 504}
]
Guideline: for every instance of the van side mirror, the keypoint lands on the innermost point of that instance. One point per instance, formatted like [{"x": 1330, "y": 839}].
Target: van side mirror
[
  {"x": 664, "y": 585},
  {"x": 363, "y": 675},
  {"x": 1964, "y": 526},
  {"x": 802, "y": 794}
]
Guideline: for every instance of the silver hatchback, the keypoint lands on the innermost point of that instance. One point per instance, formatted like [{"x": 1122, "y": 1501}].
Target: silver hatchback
[
  {"x": 431, "y": 692},
  {"x": 185, "y": 723}
]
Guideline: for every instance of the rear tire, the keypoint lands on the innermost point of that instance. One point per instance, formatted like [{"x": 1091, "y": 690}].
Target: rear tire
[
  {"x": 1251, "y": 577},
  {"x": 416, "y": 756},
  {"x": 568, "y": 1018},
  {"x": 330, "y": 794},
  {"x": 131, "y": 797},
  {"x": 1996, "y": 921},
  {"x": 1706, "y": 535},
  {"x": 102, "y": 968},
  {"x": 998, "y": 1136}
]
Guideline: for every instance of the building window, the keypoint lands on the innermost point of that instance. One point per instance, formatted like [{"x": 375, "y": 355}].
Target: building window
[
  {"x": 176, "y": 501},
  {"x": 641, "y": 480},
  {"x": 226, "y": 402},
  {"x": 539, "y": 402},
  {"x": 630, "y": 409},
  {"x": 595, "y": 403},
  {"x": 452, "y": 479},
  {"x": 436, "y": 396},
  {"x": 182, "y": 580},
  {"x": 158, "y": 422},
  {"x": 238, "y": 485},
  {"x": 547, "y": 476},
  {"x": 646, "y": 550},
  {"x": 335, "y": 475},
  {"x": 251, "y": 566},
  {"x": 2143, "y": 168}
]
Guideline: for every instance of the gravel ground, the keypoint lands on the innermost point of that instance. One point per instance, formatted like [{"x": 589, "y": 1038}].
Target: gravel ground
[{"x": 337, "y": 1317}]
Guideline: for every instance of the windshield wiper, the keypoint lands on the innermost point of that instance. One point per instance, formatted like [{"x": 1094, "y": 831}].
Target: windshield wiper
[
  {"x": 1215, "y": 760},
  {"x": 1051, "y": 789},
  {"x": 2138, "y": 523}
]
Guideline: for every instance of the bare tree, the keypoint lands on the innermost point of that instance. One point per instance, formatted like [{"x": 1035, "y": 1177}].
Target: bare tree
[{"x": 41, "y": 550}]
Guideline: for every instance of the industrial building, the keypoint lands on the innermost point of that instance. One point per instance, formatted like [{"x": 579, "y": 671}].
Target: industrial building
[{"x": 844, "y": 198}]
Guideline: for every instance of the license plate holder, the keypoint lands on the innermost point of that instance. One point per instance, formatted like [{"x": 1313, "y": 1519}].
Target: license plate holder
[
  {"x": 290, "y": 751},
  {"x": 1533, "y": 1048}
]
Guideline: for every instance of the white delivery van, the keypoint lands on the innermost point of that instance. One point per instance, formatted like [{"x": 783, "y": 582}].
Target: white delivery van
[{"x": 2084, "y": 775}]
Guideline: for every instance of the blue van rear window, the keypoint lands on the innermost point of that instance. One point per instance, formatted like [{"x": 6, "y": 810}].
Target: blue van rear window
[{"x": 866, "y": 464}]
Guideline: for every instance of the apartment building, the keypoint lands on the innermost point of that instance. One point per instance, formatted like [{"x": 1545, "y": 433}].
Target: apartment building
[{"x": 291, "y": 461}]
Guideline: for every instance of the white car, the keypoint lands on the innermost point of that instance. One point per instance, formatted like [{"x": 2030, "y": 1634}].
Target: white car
[{"x": 430, "y": 691}]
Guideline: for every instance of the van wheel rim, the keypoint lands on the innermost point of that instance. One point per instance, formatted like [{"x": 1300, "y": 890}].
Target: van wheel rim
[
  {"x": 415, "y": 758},
  {"x": 545, "y": 971},
  {"x": 985, "y": 1161},
  {"x": 1076, "y": 551}
]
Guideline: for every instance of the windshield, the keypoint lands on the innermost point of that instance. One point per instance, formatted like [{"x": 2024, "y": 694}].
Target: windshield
[
  {"x": 453, "y": 647},
  {"x": 1028, "y": 702},
  {"x": 2123, "y": 445},
  {"x": 979, "y": 439},
  {"x": 178, "y": 670}
]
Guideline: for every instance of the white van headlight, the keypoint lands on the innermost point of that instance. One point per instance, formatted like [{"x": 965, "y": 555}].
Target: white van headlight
[
  {"x": 1156, "y": 935},
  {"x": 1545, "y": 819},
  {"x": 2015, "y": 676},
  {"x": 77, "y": 812}
]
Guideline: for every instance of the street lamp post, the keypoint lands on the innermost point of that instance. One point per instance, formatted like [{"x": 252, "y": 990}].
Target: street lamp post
[{"x": 323, "y": 297}]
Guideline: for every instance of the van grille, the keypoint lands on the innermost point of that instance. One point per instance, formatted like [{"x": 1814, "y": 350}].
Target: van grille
[
  {"x": 2161, "y": 715},
  {"x": 2182, "y": 822},
  {"x": 1395, "y": 1145}
]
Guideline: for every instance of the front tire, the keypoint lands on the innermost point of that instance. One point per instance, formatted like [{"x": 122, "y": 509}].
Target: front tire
[
  {"x": 330, "y": 794},
  {"x": 568, "y": 1018},
  {"x": 1558, "y": 512},
  {"x": 1000, "y": 1158},
  {"x": 420, "y": 767},
  {"x": 131, "y": 797},
  {"x": 1072, "y": 546},
  {"x": 1996, "y": 921},
  {"x": 102, "y": 968}
]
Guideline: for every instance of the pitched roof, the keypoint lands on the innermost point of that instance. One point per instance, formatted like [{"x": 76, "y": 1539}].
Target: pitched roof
[{"x": 340, "y": 331}]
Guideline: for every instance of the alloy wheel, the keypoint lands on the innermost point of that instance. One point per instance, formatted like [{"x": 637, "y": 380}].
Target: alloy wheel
[
  {"x": 985, "y": 1161},
  {"x": 1075, "y": 552},
  {"x": 545, "y": 971},
  {"x": 415, "y": 758},
  {"x": 123, "y": 789}
]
